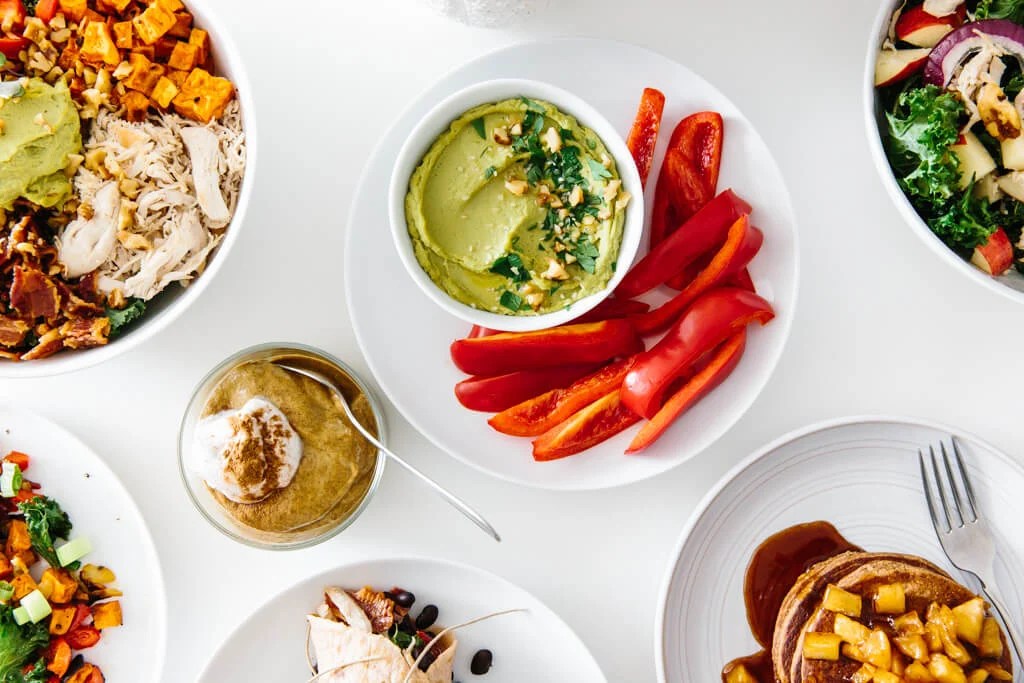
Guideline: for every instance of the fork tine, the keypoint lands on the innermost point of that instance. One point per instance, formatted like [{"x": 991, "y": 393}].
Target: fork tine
[
  {"x": 958, "y": 456},
  {"x": 941, "y": 488},
  {"x": 928, "y": 492},
  {"x": 952, "y": 484}
]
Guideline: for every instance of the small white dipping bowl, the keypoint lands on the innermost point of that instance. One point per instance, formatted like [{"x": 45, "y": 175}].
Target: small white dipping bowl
[
  {"x": 437, "y": 121},
  {"x": 166, "y": 307},
  {"x": 1012, "y": 283}
]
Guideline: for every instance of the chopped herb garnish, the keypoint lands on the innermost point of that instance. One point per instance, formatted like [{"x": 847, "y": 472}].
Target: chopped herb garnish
[
  {"x": 592, "y": 144},
  {"x": 121, "y": 318},
  {"x": 598, "y": 171},
  {"x": 531, "y": 105},
  {"x": 554, "y": 289},
  {"x": 402, "y": 639},
  {"x": 490, "y": 172},
  {"x": 513, "y": 301},
  {"x": 478, "y": 126},
  {"x": 615, "y": 264},
  {"x": 566, "y": 134},
  {"x": 512, "y": 267},
  {"x": 515, "y": 242},
  {"x": 538, "y": 124},
  {"x": 540, "y": 246},
  {"x": 586, "y": 253}
]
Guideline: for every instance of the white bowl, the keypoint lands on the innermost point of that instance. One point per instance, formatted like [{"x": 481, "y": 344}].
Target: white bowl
[
  {"x": 172, "y": 302},
  {"x": 437, "y": 121},
  {"x": 1011, "y": 284}
]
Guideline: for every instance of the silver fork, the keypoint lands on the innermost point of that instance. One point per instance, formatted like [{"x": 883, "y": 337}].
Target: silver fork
[{"x": 964, "y": 535}]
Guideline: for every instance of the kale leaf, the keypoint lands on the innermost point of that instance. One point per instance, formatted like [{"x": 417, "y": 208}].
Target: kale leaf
[
  {"x": 37, "y": 674},
  {"x": 46, "y": 522},
  {"x": 967, "y": 223},
  {"x": 1000, "y": 9},
  {"x": 17, "y": 645},
  {"x": 121, "y": 318}
]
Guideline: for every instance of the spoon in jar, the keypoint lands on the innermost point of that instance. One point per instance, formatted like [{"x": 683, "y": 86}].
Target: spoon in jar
[{"x": 452, "y": 499}]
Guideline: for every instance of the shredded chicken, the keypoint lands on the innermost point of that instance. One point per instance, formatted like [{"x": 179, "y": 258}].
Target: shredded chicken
[{"x": 177, "y": 187}]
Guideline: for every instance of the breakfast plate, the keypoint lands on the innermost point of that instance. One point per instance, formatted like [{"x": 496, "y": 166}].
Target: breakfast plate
[
  {"x": 405, "y": 336},
  {"x": 102, "y": 511},
  {"x": 859, "y": 474},
  {"x": 532, "y": 645}
]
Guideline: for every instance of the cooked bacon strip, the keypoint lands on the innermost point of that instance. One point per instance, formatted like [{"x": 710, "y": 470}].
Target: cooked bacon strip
[
  {"x": 378, "y": 607},
  {"x": 49, "y": 344},
  {"x": 74, "y": 305},
  {"x": 33, "y": 294},
  {"x": 12, "y": 332},
  {"x": 82, "y": 333}
]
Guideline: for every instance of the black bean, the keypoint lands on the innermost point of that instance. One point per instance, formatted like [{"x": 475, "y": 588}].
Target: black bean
[
  {"x": 427, "y": 617},
  {"x": 403, "y": 598},
  {"x": 427, "y": 660},
  {"x": 481, "y": 663},
  {"x": 407, "y": 626}
]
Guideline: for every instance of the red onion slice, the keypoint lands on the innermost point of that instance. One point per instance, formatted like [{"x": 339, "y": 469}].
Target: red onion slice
[{"x": 955, "y": 48}]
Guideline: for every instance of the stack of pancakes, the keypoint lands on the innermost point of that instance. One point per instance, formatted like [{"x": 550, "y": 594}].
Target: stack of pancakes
[{"x": 860, "y": 573}]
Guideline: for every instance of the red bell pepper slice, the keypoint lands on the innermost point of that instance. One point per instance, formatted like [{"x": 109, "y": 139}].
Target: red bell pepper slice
[
  {"x": 11, "y": 46},
  {"x": 507, "y": 352},
  {"x": 479, "y": 331},
  {"x": 741, "y": 245},
  {"x": 598, "y": 422},
  {"x": 710, "y": 320},
  {"x": 688, "y": 191},
  {"x": 643, "y": 136},
  {"x": 494, "y": 394},
  {"x": 47, "y": 10},
  {"x": 719, "y": 366},
  {"x": 18, "y": 458},
  {"x": 699, "y": 235},
  {"x": 82, "y": 612},
  {"x": 83, "y": 637},
  {"x": 700, "y": 137},
  {"x": 742, "y": 280},
  {"x": 612, "y": 308},
  {"x": 12, "y": 14},
  {"x": 538, "y": 415}
]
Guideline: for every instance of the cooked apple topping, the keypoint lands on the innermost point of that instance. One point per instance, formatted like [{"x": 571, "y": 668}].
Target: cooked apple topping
[{"x": 960, "y": 644}]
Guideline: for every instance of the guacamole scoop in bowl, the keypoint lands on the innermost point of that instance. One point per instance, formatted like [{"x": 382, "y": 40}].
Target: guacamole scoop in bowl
[{"x": 517, "y": 215}]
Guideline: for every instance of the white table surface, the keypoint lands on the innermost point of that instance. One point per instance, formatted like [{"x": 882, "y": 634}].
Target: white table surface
[{"x": 883, "y": 326}]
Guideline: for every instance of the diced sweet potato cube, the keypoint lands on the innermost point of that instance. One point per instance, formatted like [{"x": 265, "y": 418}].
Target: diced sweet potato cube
[
  {"x": 74, "y": 9},
  {"x": 970, "y": 617},
  {"x": 153, "y": 23},
  {"x": 23, "y": 585},
  {"x": 914, "y": 646},
  {"x": 946, "y": 670},
  {"x": 822, "y": 646},
  {"x": 124, "y": 35},
  {"x": 996, "y": 672},
  {"x": 112, "y": 6},
  {"x": 6, "y": 568},
  {"x": 64, "y": 585},
  {"x": 61, "y": 619},
  {"x": 18, "y": 539},
  {"x": 842, "y": 602},
  {"x": 977, "y": 676},
  {"x": 68, "y": 56},
  {"x": 144, "y": 75},
  {"x": 184, "y": 57},
  {"x": 136, "y": 106},
  {"x": 740, "y": 674},
  {"x": 164, "y": 92},
  {"x": 991, "y": 644},
  {"x": 917, "y": 672},
  {"x": 853, "y": 632},
  {"x": 199, "y": 38},
  {"x": 98, "y": 45},
  {"x": 182, "y": 25},
  {"x": 163, "y": 48},
  {"x": 877, "y": 650},
  {"x": 106, "y": 614},
  {"x": 170, "y": 5},
  {"x": 891, "y": 599},
  {"x": 177, "y": 77},
  {"x": 203, "y": 97},
  {"x": 93, "y": 15}
]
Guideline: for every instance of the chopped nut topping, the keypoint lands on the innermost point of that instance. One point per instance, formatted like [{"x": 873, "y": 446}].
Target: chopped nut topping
[
  {"x": 516, "y": 129},
  {"x": 623, "y": 201},
  {"x": 555, "y": 271},
  {"x": 606, "y": 161},
  {"x": 569, "y": 258},
  {"x": 605, "y": 213},
  {"x": 612, "y": 189},
  {"x": 535, "y": 300},
  {"x": 501, "y": 136},
  {"x": 553, "y": 139},
  {"x": 576, "y": 196},
  {"x": 516, "y": 187}
]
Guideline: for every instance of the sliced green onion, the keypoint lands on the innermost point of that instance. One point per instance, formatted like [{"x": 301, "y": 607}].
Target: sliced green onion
[
  {"x": 6, "y": 591},
  {"x": 10, "y": 480},
  {"x": 36, "y": 605},
  {"x": 73, "y": 550},
  {"x": 21, "y": 616}
]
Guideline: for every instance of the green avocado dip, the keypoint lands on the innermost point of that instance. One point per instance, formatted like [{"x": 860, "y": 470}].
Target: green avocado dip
[
  {"x": 517, "y": 209},
  {"x": 39, "y": 128}
]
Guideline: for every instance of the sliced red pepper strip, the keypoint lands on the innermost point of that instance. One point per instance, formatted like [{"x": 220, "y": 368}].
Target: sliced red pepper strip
[
  {"x": 741, "y": 245},
  {"x": 700, "y": 137},
  {"x": 643, "y": 136},
  {"x": 46, "y": 10},
  {"x": 701, "y": 234},
  {"x": 742, "y": 280},
  {"x": 598, "y": 422},
  {"x": 721, "y": 364},
  {"x": 688, "y": 193},
  {"x": 494, "y": 394},
  {"x": 710, "y": 320},
  {"x": 18, "y": 458},
  {"x": 612, "y": 308},
  {"x": 83, "y": 637},
  {"x": 479, "y": 331},
  {"x": 507, "y": 352},
  {"x": 663, "y": 217},
  {"x": 538, "y": 415},
  {"x": 10, "y": 47}
]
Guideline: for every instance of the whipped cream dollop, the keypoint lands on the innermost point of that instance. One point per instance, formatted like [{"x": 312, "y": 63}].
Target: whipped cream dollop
[{"x": 248, "y": 453}]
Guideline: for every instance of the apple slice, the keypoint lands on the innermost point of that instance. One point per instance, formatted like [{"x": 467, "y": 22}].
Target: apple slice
[
  {"x": 995, "y": 256},
  {"x": 895, "y": 65},
  {"x": 1013, "y": 153},
  {"x": 918, "y": 27},
  {"x": 975, "y": 161},
  {"x": 1013, "y": 185}
]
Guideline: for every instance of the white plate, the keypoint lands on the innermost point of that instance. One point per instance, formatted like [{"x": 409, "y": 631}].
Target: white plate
[
  {"x": 535, "y": 646},
  {"x": 100, "y": 509},
  {"x": 860, "y": 474},
  {"x": 405, "y": 337}
]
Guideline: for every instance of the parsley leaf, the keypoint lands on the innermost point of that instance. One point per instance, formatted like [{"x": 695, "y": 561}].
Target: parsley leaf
[
  {"x": 586, "y": 253},
  {"x": 531, "y": 105},
  {"x": 512, "y": 267},
  {"x": 121, "y": 318},
  {"x": 46, "y": 523},
  {"x": 513, "y": 301},
  {"x": 490, "y": 172},
  {"x": 1001, "y": 9},
  {"x": 597, "y": 170},
  {"x": 402, "y": 639},
  {"x": 478, "y": 126}
]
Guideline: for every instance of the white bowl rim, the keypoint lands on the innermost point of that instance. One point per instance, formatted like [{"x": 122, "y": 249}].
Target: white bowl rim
[
  {"x": 889, "y": 179},
  {"x": 63, "y": 362},
  {"x": 437, "y": 120}
]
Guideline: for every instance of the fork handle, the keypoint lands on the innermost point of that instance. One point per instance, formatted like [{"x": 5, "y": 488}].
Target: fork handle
[{"x": 1012, "y": 635}]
